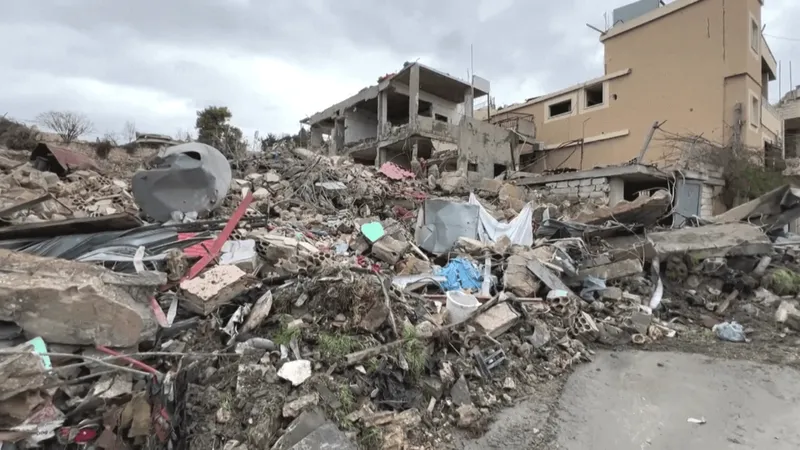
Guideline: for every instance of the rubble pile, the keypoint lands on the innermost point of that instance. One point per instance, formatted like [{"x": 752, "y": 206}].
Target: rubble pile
[{"x": 330, "y": 303}]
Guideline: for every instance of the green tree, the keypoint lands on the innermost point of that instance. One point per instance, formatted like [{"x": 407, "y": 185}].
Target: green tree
[{"x": 214, "y": 128}]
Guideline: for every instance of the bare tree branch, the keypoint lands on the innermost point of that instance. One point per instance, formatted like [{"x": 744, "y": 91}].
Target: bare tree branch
[
  {"x": 129, "y": 131},
  {"x": 68, "y": 125}
]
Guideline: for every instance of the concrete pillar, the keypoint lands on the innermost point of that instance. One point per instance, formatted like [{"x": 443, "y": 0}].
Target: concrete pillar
[
  {"x": 616, "y": 192},
  {"x": 316, "y": 138},
  {"x": 381, "y": 156},
  {"x": 413, "y": 95},
  {"x": 337, "y": 147},
  {"x": 383, "y": 112},
  {"x": 469, "y": 103}
]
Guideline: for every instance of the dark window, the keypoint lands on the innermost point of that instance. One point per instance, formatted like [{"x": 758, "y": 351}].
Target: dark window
[
  {"x": 560, "y": 108},
  {"x": 594, "y": 95}
]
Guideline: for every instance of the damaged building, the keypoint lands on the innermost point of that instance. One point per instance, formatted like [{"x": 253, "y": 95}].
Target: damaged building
[
  {"x": 416, "y": 113},
  {"x": 689, "y": 67}
]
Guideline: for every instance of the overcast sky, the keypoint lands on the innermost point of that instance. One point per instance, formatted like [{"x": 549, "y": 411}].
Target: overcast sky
[{"x": 274, "y": 62}]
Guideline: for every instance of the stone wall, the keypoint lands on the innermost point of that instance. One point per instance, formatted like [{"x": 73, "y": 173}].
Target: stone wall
[{"x": 593, "y": 190}]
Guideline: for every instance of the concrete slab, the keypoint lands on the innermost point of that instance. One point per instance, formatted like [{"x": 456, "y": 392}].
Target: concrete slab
[
  {"x": 613, "y": 271},
  {"x": 713, "y": 240},
  {"x": 642, "y": 400},
  {"x": 703, "y": 242}
]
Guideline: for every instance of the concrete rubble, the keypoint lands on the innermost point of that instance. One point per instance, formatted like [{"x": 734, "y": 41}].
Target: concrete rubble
[{"x": 307, "y": 310}]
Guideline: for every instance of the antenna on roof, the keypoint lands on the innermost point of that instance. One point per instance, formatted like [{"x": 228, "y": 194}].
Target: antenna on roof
[{"x": 595, "y": 28}]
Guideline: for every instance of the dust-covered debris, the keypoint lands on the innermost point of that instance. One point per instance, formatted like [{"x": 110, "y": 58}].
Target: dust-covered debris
[{"x": 279, "y": 320}]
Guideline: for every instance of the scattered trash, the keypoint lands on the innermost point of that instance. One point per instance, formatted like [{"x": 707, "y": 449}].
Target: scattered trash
[
  {"x": 700, "y": 421},
  {"x": 592, "y": 286},
  {"x": 460, "y": 306},
  {"x": 460, "y": 273},
  {"x": 730, "y": 331},
  {"x": 372, "y": 231},
  {"x": 295, "y": 372}
]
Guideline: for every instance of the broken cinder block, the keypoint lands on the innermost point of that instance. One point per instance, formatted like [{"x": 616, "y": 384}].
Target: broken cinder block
[
  {"x": 389, "y": 249},
  {"x": 213, "y": 288}
]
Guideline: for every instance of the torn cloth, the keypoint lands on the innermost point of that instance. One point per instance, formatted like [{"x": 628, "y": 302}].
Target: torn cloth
[
  {"x": 519, "y": 230},
  {"x": 460, "y": 273}
]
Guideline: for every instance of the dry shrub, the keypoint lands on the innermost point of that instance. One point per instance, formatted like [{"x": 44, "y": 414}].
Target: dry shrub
[
  {"x": 130, "y": 148},
  {"x": 17, "y": 136},
  {"x": 746, "y": 172},
  {"x": 103, "y": 148}
]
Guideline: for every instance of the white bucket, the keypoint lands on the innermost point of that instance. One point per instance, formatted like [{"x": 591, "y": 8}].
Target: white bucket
[{"x": 460, "y": 305}]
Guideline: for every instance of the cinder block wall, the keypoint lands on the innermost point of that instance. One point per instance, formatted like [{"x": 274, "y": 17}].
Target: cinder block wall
[{"x": 594, "y": 190}]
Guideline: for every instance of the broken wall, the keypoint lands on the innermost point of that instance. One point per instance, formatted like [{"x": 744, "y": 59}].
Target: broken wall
[
  {"x": 438, "y": 105},
  {"x": 485, "y": 145},
  {"x": 360, "y": 124}
]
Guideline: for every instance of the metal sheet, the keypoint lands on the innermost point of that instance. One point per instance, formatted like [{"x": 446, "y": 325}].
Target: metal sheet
[
  {"x": 443, "y": 222},
  {"x": 190, "y": 177},
  {"x": 78, "y": 245},
  {"x": 687, "y": 200},
  {"x": 64, "y": 159},
  {"x": 115, "y": 222}
]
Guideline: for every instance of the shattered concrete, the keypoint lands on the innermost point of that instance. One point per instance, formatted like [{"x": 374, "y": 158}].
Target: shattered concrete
[{"x": 55, "y": 299}]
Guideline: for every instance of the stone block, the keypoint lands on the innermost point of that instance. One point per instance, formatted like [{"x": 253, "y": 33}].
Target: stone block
[
  {"x": 586, "y": 182},
  {"x": 615, "y": 270},
  {"x": 639, "y": 322},
  {"x": 491, "y": 186},
  {"x": 574, "y": 183},
  {"x": 517, "y": 278},
  {"x": 602, "y": 180},
  {"x": 611, "y": 294},
  {"x": 213, "y": 288},
  {"x": 294, "y": 408},
  {"x": 510, "y": 191},
  {"x": 497, "y": 320},
  {"x": 389, "y": 250},
  {"x": 562, "y": 184}
]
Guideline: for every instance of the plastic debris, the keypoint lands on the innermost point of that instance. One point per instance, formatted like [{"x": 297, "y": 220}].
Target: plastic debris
[{"x": 730, "y": 331}]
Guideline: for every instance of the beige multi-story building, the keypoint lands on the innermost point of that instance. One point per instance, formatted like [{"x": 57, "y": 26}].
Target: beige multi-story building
[
  {"x": 789, "y": 108},
  {"x": 702, "y": 66}
]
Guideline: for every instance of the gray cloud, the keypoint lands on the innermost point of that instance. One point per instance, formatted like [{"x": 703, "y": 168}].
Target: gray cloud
[{"x": 274, "y": 61}]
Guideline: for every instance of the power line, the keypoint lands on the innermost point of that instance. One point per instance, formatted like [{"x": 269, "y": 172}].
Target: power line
[{"x": 782, "y": 37}]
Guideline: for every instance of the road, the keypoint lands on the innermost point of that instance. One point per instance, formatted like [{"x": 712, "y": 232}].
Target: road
[{"x": 643, "y": 400}]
